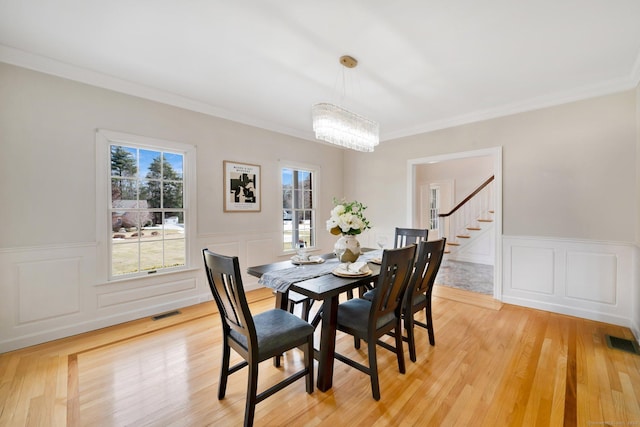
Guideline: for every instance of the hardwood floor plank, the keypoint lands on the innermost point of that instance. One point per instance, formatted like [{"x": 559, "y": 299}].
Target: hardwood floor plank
[{"x": 508, "y": 366}]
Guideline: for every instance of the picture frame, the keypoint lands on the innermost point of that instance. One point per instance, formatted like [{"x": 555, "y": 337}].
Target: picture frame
[{"x": 242, "y": 187}]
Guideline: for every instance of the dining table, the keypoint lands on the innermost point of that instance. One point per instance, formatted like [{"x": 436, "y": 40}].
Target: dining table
[{"x": 317, "y": 281}]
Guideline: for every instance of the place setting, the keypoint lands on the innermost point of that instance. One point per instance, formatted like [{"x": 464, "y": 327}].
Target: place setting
[
  {"x": 302, "y": 257},
  {"x": 353, "y": 269}
]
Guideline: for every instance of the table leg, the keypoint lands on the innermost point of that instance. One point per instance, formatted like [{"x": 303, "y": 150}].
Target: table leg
[
  {"x": 327, "y": 343},
  {"x": 282, "y": 300}
]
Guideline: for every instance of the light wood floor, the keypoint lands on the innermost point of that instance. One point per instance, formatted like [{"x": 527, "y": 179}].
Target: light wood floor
[{"x": 498, "y": 366}]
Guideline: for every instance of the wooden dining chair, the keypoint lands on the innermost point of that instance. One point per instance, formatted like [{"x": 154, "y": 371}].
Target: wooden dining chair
[
  {"x": 370, "y": 320},
  {"x": 409, "y": 236},
  {"x": 418, "y": 294},
  {"x": 255, "y": 338}
]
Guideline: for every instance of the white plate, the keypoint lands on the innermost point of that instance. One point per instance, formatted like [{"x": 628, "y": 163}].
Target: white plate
[
  {"x": 312, "y": 260},
  {"x": 342, "y": 272}
]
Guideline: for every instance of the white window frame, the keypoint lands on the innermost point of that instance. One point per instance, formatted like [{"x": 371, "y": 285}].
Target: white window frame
[
  {"x": 106, "y": 138},
  {"x": 315, "y": 177}
]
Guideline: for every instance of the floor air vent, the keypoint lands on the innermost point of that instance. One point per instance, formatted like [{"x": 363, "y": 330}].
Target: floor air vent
[
  {"x": 168, "y": 314},
  {"x": 623, "y": 344}
]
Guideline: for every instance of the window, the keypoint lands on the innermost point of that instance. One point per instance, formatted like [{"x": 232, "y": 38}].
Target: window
[
  {"x": 298, "y": 212},
  {"x": 147, "y": 209},
  {"x": 434, "y": 207}
]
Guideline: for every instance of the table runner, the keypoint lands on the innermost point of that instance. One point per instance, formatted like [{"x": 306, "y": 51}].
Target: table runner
[{"x": 280, "y": 280}]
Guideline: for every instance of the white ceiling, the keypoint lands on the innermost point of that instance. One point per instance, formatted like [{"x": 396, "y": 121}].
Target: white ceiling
[{"x": 423, "y": 64}]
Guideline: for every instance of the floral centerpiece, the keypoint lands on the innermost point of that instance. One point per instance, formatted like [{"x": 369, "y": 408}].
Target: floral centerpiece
[{"x": 347, "y": 219}]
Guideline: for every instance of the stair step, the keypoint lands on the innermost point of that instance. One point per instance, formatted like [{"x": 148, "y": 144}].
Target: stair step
[
  {"x": 453, "y": 243},
  {"x": 462, "y": 236},
  {"x": 485, "y": 220},
  {"x": 492, "y": 211},
  {"x": 474, "y": 228},
  {"x": 447, "y": 251}
]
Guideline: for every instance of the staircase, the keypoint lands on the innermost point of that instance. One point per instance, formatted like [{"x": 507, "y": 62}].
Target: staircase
[{"x": 467, "y": 226}]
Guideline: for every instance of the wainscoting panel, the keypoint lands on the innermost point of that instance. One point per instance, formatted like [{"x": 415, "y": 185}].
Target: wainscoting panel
[
  {"x": 145, "y": 292},
  {"x": 532, "y": 269},
  {"x": 592, "y": 276},
  {"x": 51, "y": 292},
  {"x": 48, "y": 289},
  {"x": 588, "y": 279}
]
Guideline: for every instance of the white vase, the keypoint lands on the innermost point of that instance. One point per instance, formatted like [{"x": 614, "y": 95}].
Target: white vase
[{"x": 350, "y": 246}]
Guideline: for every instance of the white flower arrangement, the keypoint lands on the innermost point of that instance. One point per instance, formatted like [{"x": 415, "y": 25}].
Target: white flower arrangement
[{"x": 347, "y": 218}]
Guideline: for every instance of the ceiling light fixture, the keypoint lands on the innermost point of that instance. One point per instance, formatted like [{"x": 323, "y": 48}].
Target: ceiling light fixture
[{"x": 342, "y": 127}]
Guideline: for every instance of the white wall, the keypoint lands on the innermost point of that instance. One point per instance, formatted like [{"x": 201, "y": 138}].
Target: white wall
[
  {"x": 49, "y": 282},
  {"x": 569, "y": 180}
]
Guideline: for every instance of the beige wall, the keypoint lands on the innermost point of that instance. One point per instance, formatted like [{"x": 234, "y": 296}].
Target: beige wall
[
  {"x": 47, "y": 166},
  {"x": 568, "y": 171},
  {"x": 466, "y": 174}
]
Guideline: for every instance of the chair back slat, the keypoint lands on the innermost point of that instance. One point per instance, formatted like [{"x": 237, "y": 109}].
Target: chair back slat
[
  {"x": 428, "y": 260},
  {"x": 395, "y": 272},
  {"x": 225, "y": 281},
  {"x": 409, "y": 236}
]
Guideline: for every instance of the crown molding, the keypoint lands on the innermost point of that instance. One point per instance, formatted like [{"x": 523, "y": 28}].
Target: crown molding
[{"x": 56, "y": 68}]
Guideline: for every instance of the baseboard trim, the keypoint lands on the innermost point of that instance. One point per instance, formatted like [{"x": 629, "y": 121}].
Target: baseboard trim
[{"x": 467, "y": 297}]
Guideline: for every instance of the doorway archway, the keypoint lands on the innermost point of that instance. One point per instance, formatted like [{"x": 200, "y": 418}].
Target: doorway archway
[{"x": 413, "y": 199}]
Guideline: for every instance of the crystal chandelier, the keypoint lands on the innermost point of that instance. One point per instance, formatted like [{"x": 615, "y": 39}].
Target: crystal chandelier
[{"x": 341, "y": 127}]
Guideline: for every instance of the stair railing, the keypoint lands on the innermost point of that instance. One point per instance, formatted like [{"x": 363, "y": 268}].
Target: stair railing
[{"x": 468, "y": 214}]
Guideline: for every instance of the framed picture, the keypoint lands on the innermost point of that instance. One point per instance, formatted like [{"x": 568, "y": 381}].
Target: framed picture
[{"x": 241, "y": 187}]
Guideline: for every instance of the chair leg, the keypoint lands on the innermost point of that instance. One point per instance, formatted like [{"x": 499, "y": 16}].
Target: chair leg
[
  {"x": 432, "y": 338},
  {"x": 411, "y": 339},
  {"x": 224, "y": 369},
  {"x": 356, "y": 343},
  {"x": 252, "y": 390},
  {"x": 308, "y": 362},
  {"x": 373, "y": 368},
  {"x": 399, "y": 351}
]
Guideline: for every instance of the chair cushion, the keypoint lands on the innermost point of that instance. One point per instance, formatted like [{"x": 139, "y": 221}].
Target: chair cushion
[
  {"x": 277, "y": 330},
  {"x": 354, "y": 314}
]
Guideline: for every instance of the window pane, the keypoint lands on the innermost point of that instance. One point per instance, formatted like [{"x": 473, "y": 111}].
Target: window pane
[
  {"x": 174, "y": 251},
  {"x": 150, "y": 194},
  {"x": 172, "y": 195},
  {"x": 130, "y": 221},
  {"x": 124, "y": 257},
  {"x": 150, "y": 164},
  {"x": 172, "y": 168},
  {"x": 124, "y": 189},
  {"x": 151, "y": 255},
  {"x": 123, "y": 161}
]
